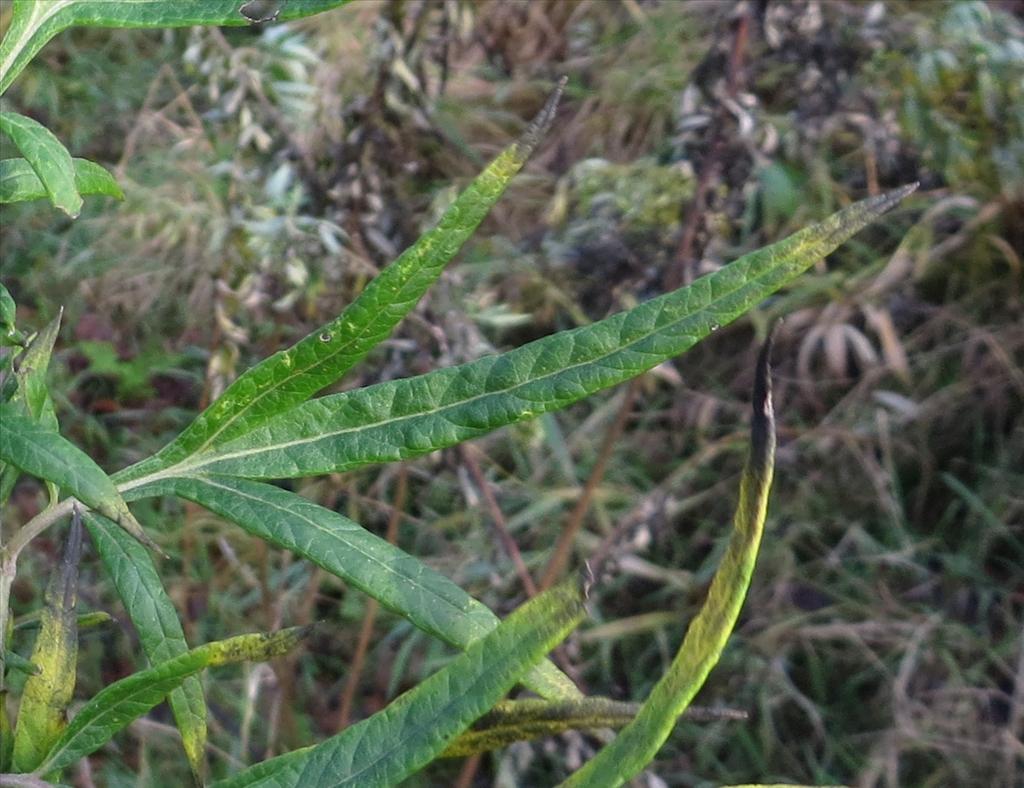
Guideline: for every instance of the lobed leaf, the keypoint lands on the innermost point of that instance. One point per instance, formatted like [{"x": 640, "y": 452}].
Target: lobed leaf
[
  {"x": 45, "y": 454},
  {"x": 405, "y": 418},
  {"x": 156, "y": 622},
  {"x": 19, "y": 182},
  {"x": 34, "y": 22},
  {"x": 47, "y": 157},
  {"x": 638, "y": 743},
  {"x": 417, "y": 726},
  {"x": 48, "y": 691},
  {"x": 292, "y": 376},
  {"x": 118, "y": 704},
  {"x": 396, "y": 579}
]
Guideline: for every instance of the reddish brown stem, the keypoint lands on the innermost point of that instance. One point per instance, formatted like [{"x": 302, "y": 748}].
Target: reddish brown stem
[
  {"x": 563, "y": 548},
  {"x": 370, "y": 616},
  {"x": 508, "y": 544}
]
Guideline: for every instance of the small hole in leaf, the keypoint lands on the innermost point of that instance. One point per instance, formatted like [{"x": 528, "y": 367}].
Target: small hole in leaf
[{"x": 257, "y": 11}]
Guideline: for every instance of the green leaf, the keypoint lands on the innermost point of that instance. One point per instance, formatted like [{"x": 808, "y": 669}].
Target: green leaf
[
  {"x": 9, "y": 334},
  {"x": 521, "y": 720},
  {"x": 42, "y": 714},
  {"x": 45, "y": 454},
  {"x": 638, "y": 743},
  {"x": 396, "y": 579},
  {"x": 115, "y": 706},
  {"x": 155, "y": 618},
  {"x": 15, "y": 661},
  {"x": 33, "y": 396},
  {"x": 397, "y": 741},
  {"x": 30, "y": 371},
  {"x": 407, "y": 418},
  {"x": 34, "y": 22},
  {"x": 19, "y": 182},
  {"x": 292, "y": 376},
  {"x": 49, "y": 160}
]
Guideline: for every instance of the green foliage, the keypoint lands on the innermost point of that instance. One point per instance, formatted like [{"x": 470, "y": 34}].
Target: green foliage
[
  {"x": 48, "y": 691},
  {"x": 19, "y": 182},
  {"x": 155, "y": 618},
  {"x": 35, "y": 22},
  {"x": 961, "y": 92},
  {"x": 416, "y": 727},
  {"x": 706, "y": 637},
  {"x": 265, "y": 426},
  {"x": 116, "y": 706},
  {"x": 396, "y": 579},
  {"x": 49, "y": 160}
]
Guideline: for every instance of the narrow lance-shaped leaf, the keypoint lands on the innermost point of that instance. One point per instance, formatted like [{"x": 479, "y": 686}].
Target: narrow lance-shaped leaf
[
  {"x": 117, "y": 705},
  {"x": 156, "y": 621},
  {"x": 30, "y": 369},
  {"x": 407, "y": 418},
  {"x": 399, "y": 581},
  {"x": 91, "y": 620},
  {"x": 9, "y": 334},
  {"x": 14, "y": 661},
  {"x": 33, "y": 396},
  {"x": 414, "y": 729},
  {"x": 292, "y": 376},
  {"x": 45, "y": 454},
  {"x": 19, "y": 182},
  {"x": 47, "y": 157},
  {"x": 42, "y": 714},
  {"x": 638, "y": 743},
  {"x": 521, "y": 720},
  {"x": 34, "y": 22}
]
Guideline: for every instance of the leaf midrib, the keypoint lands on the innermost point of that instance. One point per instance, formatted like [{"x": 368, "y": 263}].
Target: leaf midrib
[
  {"x": 172, "y": 678},
  {"x": 186, "y": 468},
  {"x": 294, "y": 512}
]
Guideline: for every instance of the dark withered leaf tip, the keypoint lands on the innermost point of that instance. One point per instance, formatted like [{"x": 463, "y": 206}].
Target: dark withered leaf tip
[
  {"x": 762, "y": 427},
  {"x": 540, "y": 125}
]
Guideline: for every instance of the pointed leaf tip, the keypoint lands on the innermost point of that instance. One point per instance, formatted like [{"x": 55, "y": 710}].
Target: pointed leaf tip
[
  {"x": 540, "y": 124},
  {"x": 762, "y": 427},
  {"x": 884, "y": 202}
]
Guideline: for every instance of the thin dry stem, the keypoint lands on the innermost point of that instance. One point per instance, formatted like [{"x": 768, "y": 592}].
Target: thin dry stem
[
  {"x": 563, "y": 548},
  {"x": 366, "y": 631},
  {"x": 501, "y": 529}
]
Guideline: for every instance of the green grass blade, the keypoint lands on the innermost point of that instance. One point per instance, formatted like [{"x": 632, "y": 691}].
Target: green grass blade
[
  {"x": 156, "y": 622},
  {"x": 416, "y": 727},
  {"x": 294, "y": 375},
  {"x": 399, "y": 581},
  {"x": 638, "y": 743},
  {"x": 48, "y": 692},
  {"x": 47, "y": 157},
  {"x": 407, "y": 418},
  {"x": 45, "y": 454},
  {"x": 117, "y": 705},
  {"x": 34, "y": 22},
  {"x": 19, "y": 182}
]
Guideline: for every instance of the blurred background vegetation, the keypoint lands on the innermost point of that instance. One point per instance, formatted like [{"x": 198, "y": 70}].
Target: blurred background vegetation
[{"x": 270, "y": 172}]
